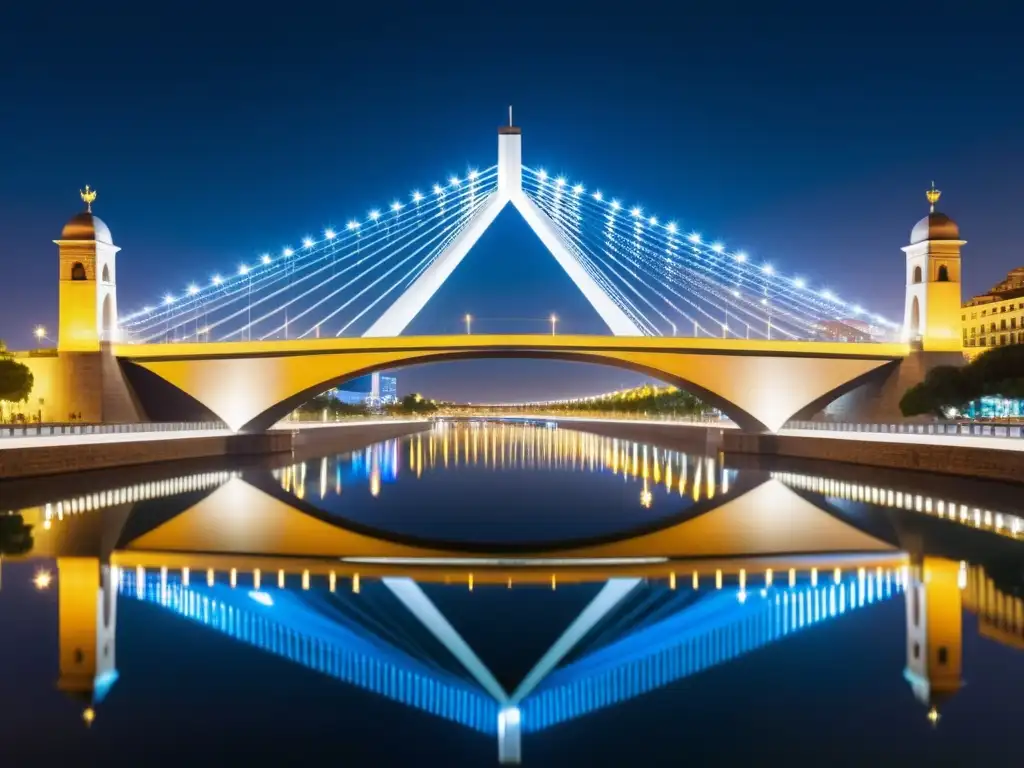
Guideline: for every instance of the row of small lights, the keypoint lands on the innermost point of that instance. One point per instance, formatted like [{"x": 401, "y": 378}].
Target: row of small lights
[
  {"x": 1005, "y": 524},
  {"x": 330, "y": 234},
  {"x": 718, "y": 247}
]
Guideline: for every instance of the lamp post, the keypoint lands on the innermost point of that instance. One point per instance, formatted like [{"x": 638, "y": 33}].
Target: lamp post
[
  {"x": 469, "y": 324},
  {"x": 40, "y": 334},
  {"x": 554, "y": 320}
]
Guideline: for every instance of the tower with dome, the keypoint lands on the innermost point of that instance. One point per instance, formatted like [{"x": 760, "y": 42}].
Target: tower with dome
[
  {"x": 933, "y": 300},
  {"x": 88, "y": 281}
]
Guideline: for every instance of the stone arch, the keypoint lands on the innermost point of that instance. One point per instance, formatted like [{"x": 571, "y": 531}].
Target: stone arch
[
  {"x": 917, "y": 274},
  {"x": 106, "y": 273},
  {"x": 915, "y": 318},
  {"x": 740, "y": 417},
  {"x": 943, "y": 274},
  {"x": 759, "y": 386},
  {"x": 78, "y": 271}
]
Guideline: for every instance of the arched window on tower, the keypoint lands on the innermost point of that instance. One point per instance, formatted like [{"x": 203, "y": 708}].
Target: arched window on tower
[
  {"x": 78, "y": 271},
  {"x": 917, "y": 274},
  {"x": 943, "y": 274},
  {"x": 106, "y": 273}
]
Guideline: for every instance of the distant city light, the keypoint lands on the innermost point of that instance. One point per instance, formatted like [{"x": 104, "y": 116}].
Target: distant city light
[
  {"x": 330, "y": 234},
  {"x": 598, "y": 196},
  {"x": 265, "y": 258},
  {"x": 307, "y": 242},
  {"x": 193, "y": 289},
  {"x": 717, "y": 247},
  {"x": 694, "y": 238}
]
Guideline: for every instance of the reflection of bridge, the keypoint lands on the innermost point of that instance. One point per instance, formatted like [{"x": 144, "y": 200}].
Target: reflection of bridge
[
  {"x": 247, "y": 346},
  {"x": 747, "y": 561},
  {"x": 631, "y": 638}
]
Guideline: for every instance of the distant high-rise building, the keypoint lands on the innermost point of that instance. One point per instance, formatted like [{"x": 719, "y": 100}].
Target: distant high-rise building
[
  {"x": 388, "y": 389},
  {"x": 372, "y": 390}
]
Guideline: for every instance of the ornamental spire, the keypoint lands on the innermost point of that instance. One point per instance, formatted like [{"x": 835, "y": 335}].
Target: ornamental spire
[
  {"x": 932, "y": 194},
  {"x": 87, "y": 195}
]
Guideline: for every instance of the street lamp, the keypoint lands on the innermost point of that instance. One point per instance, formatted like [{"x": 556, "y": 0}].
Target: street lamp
[
  {"x": 469, "y": 324},
  {"x": 40, "y": 333},
  {"x": 554, "y": 320}
]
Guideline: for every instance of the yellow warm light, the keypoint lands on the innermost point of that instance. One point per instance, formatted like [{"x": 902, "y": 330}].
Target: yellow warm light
[
  {"x": 88, "y": 716},
  {"x": 42, "y": 579}
]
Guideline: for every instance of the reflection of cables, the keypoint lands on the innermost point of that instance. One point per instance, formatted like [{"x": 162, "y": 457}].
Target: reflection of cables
[{"x": 268, "y": 297}]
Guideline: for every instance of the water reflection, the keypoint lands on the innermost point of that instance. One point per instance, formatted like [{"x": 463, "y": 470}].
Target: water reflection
[{"x": 284, "y": 562}]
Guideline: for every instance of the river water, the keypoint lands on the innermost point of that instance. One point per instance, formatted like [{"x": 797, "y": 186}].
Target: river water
[{"x": 556, "y": 596}]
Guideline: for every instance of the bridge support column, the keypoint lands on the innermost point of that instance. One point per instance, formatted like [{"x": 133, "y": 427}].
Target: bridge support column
[
  {"x": 879, "y": 400},
  {"x": 510, "y": 736}
]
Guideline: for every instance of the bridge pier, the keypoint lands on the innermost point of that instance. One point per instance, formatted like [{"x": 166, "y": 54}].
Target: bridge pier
[{"x": 878, "y": 400}]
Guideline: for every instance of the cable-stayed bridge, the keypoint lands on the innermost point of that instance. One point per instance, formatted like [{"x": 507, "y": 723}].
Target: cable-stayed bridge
[{"x": 752, "y": 340}]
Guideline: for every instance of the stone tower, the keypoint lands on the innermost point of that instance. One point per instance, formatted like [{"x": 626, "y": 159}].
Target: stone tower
[
  {"x": 87, "y": 312},
  {"x": 933, "y": 301}
]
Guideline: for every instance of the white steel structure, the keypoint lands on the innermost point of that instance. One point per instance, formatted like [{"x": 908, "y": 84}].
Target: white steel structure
[{"x": 510, "y": 190}]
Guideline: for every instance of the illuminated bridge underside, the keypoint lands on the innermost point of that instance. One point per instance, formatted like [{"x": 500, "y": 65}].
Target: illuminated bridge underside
[
  {"x": 759, "y": 384},
  {"x": 693, "y": 637},
  {"x": 241, "y": 521}
]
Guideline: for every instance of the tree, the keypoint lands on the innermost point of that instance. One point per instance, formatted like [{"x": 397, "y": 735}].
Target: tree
[
  {"x": 415, "y": 403},
  {"x": 997, "y": 373},
  {"x": 16, "y": 379}
]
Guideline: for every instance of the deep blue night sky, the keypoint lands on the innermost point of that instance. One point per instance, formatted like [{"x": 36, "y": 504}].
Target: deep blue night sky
[{"x": 213, "y": 134}]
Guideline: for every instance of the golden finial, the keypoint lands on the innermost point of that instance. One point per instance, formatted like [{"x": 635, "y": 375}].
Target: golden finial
[
  {"x": 88, "y": 195},
  {"x": 932, "y": 194}
]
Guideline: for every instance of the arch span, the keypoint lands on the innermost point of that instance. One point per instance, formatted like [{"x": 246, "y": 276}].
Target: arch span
[{"x": 759, "y": 384}]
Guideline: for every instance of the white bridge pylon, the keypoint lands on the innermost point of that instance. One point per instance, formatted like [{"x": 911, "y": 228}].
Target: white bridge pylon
[{"x": 510, "y": 190}]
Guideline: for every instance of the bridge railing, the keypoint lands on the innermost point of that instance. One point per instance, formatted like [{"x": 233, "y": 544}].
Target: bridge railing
[
  {"x": 54, "y": 430},
  {"x": 949, "y": 428}
]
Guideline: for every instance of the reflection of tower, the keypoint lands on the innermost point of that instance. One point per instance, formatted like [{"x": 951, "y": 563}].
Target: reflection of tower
[
  {"x": 934, "y": 632},
  {"x": 932, "y": 312},
  {"x": 87, "y": 625},
  {"x": 88, "y": 293}
]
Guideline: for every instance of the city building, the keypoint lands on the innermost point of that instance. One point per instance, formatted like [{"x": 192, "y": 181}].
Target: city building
[
  {"x": 996, "y": 318},
  {"x": 372, "y": 390}
]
